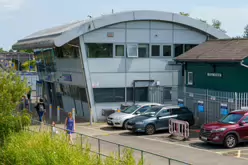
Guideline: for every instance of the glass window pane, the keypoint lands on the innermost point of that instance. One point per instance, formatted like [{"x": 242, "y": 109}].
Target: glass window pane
[
  {"x": 187, "y": 47},
  {"x": 119, "y": 95},
  {"x": 155, "y": 50},
  {"x": 166, "y": 50},
  {"x": 132, "y": 50},
  {"x": 119, "y": 50},
  {"x": 102, "y": 95},
  {"x": 178, "y": 49},
  {"x": 100, "y": 50},
  {"x": 141, "y": 94},
  {"x": 143, "y": 50}
]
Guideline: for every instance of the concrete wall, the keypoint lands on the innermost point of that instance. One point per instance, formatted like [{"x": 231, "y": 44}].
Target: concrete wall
[{"x": 122, "y": 71}]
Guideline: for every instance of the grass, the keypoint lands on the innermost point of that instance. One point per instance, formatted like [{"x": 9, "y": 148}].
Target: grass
[{"x": 40, "y": 148}]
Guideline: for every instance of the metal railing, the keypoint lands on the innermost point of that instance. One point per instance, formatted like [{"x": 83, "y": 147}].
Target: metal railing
[{"x": 100, "y": 146}]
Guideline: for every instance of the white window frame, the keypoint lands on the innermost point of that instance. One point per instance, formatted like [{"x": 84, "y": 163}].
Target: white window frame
[
  {"x": 137, "y": 50},
  {"x": 114, "y": 50},
  {"x": 190, "y": 82}
]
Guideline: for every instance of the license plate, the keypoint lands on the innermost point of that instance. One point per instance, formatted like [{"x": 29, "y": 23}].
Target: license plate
[
  {"x": 130, "y": 127},
  {"x": 204, "y": 138}
]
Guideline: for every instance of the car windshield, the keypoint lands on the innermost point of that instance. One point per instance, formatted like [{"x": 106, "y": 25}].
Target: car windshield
[
  {"x": 231, "y": 119},
  {"x": 152, "y": 111},
  {"x": 131, "y": 109}
]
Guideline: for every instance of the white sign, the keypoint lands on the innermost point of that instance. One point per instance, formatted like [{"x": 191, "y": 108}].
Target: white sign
[
  {"x": 213, "y": 98},
  {"x": 214, "y": 74},
  {"x": 94, "y": 85},
  {"x": 191, "y": 95}
]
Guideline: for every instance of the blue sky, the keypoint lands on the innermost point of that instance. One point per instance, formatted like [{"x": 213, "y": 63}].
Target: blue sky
[{"x": 20, "y": 18}]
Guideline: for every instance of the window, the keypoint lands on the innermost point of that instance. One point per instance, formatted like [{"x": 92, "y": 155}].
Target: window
[
  {"x": 178, "y": 49},
  {"x": 67, "y": 52},
  {"x": 188, "y": 47},
  {"x": 164, "y": 112},
  {"x": 100, "y": 50},
  {"x": 190, "y": 78},
  {"x": 231, "y": 119},
  {"x": 142, "y": 110},
  {"x": 132, "y": 50},
  {"x": 102, "y": 95},
  {"x": 155, "y": 50},
  {"x": 119, "y": 50},
  {"x": 141, "y": 94},
  {"x": 182, "y": 110},
  {"x": 245, "y": 119},
  {"x": 167, "y": 93},
  {"x": 143, "y": 50},
  {"x": 131, "y": 109},
  {"x": 166, "y": 50}
]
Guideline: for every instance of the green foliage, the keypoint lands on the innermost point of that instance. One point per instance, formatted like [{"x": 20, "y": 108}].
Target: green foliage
[
  {"x": 39, "y": 148},
  {"x": 184, "y": 14},
  {"x": 26, "y": 51},
  {"x": 2, "y": 51},
  {"x": 12, "y": 89},
  {"x": 25, "y": 65}
]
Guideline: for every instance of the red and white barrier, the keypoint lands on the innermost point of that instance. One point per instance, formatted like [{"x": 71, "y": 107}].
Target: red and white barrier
[{"x": 179, "y": 128}]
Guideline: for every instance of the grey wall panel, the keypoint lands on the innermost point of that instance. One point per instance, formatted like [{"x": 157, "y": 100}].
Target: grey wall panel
[
  {"x": 188, "y": 36},
  {"x": 158, "y": 64},
  {"x": 68, "y": 103},
  {"x": 138, "y": 35},
  {"x": 136, "y": 76},
  {"x": 138, "y": 25},
  {"x": 106, "y": 65},
  {"x": 108, "y": 80},
  {"x": 77, "y": 78},
  {"x": 161, "y": 25},
  {"x": 68, "y": 64},
  {"x": 165, "y": 78},
  {"x": 100, "y": 36},
  {"x": 161, "y": 36},
  {"x": 137, "y": 64}
]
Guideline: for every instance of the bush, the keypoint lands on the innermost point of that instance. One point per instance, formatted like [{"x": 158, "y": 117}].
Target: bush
[{"x": 39, "y": 148}]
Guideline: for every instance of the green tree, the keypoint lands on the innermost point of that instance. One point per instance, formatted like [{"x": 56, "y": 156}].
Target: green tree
[
  {"x": 11, "y": 50},
  {"x": 245, "y": 35},
  {"x": 184, "y": 14},
  {"x": 26, "y": 51},
  {"x": 2, "y": 51},
  {"x": 12, "y": 89}
]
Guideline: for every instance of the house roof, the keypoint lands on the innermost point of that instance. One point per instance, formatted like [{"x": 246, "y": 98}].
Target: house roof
[
  {"x": 58, "y": 36},
  {"x": 222, "y": 50}
]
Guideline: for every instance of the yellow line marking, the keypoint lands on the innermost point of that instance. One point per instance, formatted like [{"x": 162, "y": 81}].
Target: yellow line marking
[{"x": 239, "y": 153}]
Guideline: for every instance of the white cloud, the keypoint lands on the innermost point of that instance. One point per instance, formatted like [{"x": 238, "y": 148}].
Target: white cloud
[
  {"x": 233, "y": 19},
  {"x": 6, "y": 5}
]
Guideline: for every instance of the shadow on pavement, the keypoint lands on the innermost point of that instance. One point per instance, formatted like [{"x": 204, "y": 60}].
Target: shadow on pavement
[
  {"x": 209, "y": 146},
  {"x": 109, "y": 128}
]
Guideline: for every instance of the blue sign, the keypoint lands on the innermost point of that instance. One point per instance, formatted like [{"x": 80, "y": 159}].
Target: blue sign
[
  {"x": 200, "y": 106},
  {"x": 67, "y": 77},
  {"x": 180, "y": 103},
  {"x": 223, "y": 109}
]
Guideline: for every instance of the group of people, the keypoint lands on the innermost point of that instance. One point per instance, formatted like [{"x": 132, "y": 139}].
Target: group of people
[{"x": 70, "y": 124}]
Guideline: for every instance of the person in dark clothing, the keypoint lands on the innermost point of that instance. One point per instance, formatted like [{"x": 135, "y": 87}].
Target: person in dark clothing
[{"x": 41, "y": 109}]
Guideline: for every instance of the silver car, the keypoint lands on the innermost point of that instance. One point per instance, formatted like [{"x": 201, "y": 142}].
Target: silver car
[{"x": 119, "y": 119}]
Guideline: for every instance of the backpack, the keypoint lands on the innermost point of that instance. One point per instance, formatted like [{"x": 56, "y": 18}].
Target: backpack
[{"x": 41, "y": 108}]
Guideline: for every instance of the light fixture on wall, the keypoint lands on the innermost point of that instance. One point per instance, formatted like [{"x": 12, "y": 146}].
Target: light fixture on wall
[{"x": 156, "y": 35}]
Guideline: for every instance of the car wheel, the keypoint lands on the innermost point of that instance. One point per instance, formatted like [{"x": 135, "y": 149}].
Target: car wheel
[
  {"x": 124, "y": 126},
  {"x": 150, "y": 129},
  {"x": 230, "y": 141}
]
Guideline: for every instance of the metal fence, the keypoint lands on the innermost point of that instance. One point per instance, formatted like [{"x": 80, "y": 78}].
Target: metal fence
[
  {"x": 104, "y": 148},
  {"x": 209, "y": 105}
]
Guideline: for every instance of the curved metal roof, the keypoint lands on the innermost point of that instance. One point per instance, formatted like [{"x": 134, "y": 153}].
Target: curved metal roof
[{"x": 58, "y": 36}]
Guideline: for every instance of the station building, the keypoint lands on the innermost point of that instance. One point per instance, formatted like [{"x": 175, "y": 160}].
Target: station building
[{"x": 113, "y": 59}]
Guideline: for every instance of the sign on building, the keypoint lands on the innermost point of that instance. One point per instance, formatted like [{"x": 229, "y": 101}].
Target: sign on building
[
  {"x": 200, "y": 106},
  {"x": 223, "y": 109}
]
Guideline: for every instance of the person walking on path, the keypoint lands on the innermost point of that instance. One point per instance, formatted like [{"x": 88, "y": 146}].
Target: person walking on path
[
  {"x": 41, "y": 109},
  {"x": 70, "y": 126}
]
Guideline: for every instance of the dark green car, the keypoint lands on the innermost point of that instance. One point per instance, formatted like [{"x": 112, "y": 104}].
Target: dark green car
[{"x": 157, "y": 118}]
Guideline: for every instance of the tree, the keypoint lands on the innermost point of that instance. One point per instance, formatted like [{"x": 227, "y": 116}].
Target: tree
[
  {"x": 30, "y": 51},
  {"x": 216, "y": 23},
  {"x": 245, "y": 35},
  {"x": 184, "y": 14},
  {"x": 2, "y": 51},
  {"x": 11, "y": 50}
]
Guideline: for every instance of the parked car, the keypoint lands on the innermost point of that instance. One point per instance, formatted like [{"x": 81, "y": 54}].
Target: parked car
[
  {"x": 157, "y": 118},
  {"x": 229, "y": 131},
  {"x": 119, "y": 119}
]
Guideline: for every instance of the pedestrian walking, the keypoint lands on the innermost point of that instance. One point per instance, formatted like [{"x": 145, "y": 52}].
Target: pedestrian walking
[
  {"x": 41, "y": 109},
  {"x": 70, "y": 126}
]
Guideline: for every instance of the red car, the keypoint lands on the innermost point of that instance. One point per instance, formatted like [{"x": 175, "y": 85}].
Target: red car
[{"x": 229, "y": 131}]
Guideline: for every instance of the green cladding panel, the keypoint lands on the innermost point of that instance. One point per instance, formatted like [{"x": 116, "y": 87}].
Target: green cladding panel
[{"x": 219, "y": 76}]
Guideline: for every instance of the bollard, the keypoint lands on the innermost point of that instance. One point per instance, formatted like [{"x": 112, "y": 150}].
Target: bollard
[
  {"x": 50, "y": 111},
  {"x": 58, "y": 113},
  {"x": 73, "y": 113}
]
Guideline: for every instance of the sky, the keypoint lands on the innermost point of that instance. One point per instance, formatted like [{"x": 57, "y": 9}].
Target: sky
[{"x": 20, "y": 18}]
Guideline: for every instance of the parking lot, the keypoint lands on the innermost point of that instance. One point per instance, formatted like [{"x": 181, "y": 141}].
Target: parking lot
[{"x": 193, "y": 151}]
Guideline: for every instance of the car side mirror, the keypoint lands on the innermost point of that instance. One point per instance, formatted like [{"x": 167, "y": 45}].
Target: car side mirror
[
  {"x": 242, "y": 123},
  {"x": 137, "y": 113}
]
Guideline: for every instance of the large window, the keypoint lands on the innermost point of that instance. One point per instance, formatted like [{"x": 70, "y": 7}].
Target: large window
[
  {"x": 155, "y": 50},
  {"x": 103, "y": 95},
  {"x": 100, "y": 50},
  {"x": 119, "y": 50},
  {"x": 178, "y": 48},
  {"x": 141, "y": 94},
  {"x": 166, "y": 50},
  {"x": 67, "y": 52}
]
